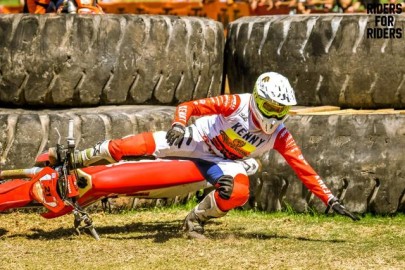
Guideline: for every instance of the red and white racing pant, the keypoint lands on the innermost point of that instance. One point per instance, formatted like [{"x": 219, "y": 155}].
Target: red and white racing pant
[{"x": 193, "y": 147}]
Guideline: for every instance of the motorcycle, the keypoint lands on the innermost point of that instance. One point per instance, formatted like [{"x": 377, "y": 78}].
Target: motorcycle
[{"x": 63, "y": 188}]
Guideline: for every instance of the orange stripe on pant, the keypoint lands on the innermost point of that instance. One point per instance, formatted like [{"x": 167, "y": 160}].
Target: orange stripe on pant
[
  {"x": 136, "y": 145},
  {"x": 239, "y": 196}
]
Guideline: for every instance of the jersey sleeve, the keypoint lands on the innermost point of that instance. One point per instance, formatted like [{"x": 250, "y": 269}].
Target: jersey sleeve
[
  {"x": 287, "y": 147},
  {"x": 225, "y": 105}
]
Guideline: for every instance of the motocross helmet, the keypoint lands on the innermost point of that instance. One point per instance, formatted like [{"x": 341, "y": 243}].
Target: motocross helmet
[{"x": 271, "y": 100}]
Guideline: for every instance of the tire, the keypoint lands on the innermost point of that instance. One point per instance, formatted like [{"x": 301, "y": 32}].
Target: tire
[
  {"x": 78, "y": 61},
  {"x": 358, "y": 156},
  {"x": 29, "y": 133},
  {"x": 328, "y": 59}
]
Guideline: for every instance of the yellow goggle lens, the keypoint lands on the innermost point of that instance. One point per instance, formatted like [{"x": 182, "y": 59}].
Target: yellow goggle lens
[{"x": 270, "y": 109}]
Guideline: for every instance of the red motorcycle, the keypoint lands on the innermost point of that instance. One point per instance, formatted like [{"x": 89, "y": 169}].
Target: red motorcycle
[{"x": 64, "y": 189}]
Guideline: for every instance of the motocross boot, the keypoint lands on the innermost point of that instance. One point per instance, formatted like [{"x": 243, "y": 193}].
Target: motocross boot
[
  {"x": 99, "y": 154},
  {"x": 194, "y": 223}
]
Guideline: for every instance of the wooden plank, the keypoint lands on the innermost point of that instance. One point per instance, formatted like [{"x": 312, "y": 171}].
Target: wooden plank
[
  {"x": 379, "y": 111},
  {"x": 385, "y": 111},
  {"x": 348, "y": 111},
  {"x": 352, "y": 111},
  {"x": 324, "y": 111},
  {"x": 309, "y": 110}
]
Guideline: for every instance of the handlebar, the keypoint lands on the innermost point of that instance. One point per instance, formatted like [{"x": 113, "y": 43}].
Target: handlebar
[
  {"x": 19, "y": 173},
  {"x": 62, "y": 152}
]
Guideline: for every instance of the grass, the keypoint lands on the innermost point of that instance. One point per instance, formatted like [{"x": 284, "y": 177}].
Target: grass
[
  {"x": 10, "y": 2},
  {"x": 150, "y": 239}
]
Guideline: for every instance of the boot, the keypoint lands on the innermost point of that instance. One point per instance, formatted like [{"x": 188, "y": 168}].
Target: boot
[
  {"x": 194, "y": 223},
  {"x": 98, "y": 154}
]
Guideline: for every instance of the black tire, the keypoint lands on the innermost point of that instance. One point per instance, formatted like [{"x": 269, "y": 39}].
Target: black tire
[
  {"x": 328, "y": 58},
  {"x": 358, "y": 156},
  {"x": 77, "y": 61},
  {"x": 29, "y": 133}
]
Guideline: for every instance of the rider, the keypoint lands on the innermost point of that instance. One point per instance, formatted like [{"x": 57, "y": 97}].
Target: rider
[{"x": 233, "y": 128}]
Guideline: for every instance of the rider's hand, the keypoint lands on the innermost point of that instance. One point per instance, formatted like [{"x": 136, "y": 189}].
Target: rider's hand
[
  {"x": 175, "y": 135},
  {"x": 340, "y": 209}
]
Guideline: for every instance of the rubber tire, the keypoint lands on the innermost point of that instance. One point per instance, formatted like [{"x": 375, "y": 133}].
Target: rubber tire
[
  {"x": 362, "y": 150},
  {"x": 357, "y": 156},
  {"x": 328, "y": 58},
  {"x": 29, "y": 133},
  {"x": 77, "y": 61}
]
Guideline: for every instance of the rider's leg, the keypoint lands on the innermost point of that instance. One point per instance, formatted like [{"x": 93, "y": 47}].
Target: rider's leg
[
  {"x": 143, "y": 144},
  {"x": 231, "y": 191},
  {"x": 205, "y": 210},
  {"x": 111, "y": 151},
  {"x": 97, "y": 154}
]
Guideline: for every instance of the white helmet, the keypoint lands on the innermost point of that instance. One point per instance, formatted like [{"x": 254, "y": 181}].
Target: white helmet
[{"x": 271, "y": 100}]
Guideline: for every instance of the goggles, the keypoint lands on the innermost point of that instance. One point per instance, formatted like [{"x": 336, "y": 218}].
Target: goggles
[{"x": 270, "y": 109}]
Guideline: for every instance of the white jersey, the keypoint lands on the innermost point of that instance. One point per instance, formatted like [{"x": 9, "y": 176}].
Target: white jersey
[
  {"x": 229, "y": 130},
  {"x": 235, "y": 136}
]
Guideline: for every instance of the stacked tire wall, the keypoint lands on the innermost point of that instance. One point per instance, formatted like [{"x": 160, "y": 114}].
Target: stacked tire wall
[
  {"x": 328, "y": 58},
  {"x": 82, "y": 61},
  {"x": 329, "y": 61},
  {"x": 114, "y": 75},
  {"x": 91, "y": 68},
  {"x": 360, "y": 157}
]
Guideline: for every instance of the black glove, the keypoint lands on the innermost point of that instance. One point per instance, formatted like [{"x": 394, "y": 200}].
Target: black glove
[
  {"x": 340, "y": 209},
  {"x": 175, "y": 135},
  {"x": 224, "y": 186}
]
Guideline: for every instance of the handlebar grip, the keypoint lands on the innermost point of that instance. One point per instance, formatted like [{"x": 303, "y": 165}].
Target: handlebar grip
[{"x": 20, "y": 173}]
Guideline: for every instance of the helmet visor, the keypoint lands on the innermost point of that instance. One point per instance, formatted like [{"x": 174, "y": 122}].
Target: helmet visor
[{"x": 270, "y": 109}]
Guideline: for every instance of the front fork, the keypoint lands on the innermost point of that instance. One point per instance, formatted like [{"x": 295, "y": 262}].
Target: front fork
[{"x": 82, "y": 216}]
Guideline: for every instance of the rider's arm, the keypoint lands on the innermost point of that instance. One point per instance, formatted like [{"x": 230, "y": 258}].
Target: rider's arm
[
  {"x": 225, "y": 105},
  {"x": 287, "y": 147}
]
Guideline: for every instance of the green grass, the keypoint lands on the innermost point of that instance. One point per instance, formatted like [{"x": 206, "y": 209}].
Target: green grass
[
  {"x": 10, "y": 2},
  {"x": 151, "y": 239}
]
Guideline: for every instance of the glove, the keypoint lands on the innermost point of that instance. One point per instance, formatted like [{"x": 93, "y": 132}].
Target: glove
[
  {"x": 224, "y": 186},
  {"x": 175, "y": 135},
  {"x": 340, "y": 209}
]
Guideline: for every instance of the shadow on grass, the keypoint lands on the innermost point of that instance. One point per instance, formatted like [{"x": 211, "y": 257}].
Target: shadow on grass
[
  {"x": 3, "y": 232},
  {"x": 159, "y": 232},
  {"x": 263, "y": 236}
]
